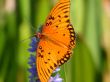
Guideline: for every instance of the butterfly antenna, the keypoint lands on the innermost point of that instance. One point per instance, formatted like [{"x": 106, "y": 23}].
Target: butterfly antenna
[
  {"x": 27, "y": 38},
  {"x": 32, "y": 27}
]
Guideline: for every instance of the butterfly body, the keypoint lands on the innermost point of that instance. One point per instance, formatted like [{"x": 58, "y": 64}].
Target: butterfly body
[{"x": 57, "y": 39}]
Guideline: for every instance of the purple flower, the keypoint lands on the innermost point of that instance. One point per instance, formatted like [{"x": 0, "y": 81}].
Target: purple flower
[
  {"x": 33, "y": 44},
  {"x": 56, "y": 70},
  {"x": 56, "y": 78},
  {"x": 32, "y": 62}
]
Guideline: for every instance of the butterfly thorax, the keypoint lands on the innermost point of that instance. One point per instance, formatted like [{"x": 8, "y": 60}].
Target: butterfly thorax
[{"x": 39, "y": 35}]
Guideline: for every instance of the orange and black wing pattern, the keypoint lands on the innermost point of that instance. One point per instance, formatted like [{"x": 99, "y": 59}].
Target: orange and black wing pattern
[{"x": 55, "y": 48}]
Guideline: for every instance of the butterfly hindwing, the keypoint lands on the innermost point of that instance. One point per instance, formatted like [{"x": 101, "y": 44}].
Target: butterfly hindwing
[{"x": 47, "y": 58}]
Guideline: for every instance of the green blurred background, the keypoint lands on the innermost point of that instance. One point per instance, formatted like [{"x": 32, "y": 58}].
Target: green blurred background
[{"x": 91, "y": 20}]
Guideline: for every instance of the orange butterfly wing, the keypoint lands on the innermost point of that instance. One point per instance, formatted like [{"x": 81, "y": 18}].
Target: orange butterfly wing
[
  {"x": 47, "y": 58},
  {"x": 58, "y": 39},
  {"x": 58, "y": 24}
]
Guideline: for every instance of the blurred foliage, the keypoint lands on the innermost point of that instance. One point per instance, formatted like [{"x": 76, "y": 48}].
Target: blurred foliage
[{"x": 91, "y": 58}]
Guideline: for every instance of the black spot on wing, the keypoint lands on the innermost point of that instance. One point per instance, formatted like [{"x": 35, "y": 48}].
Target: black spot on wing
[
  {"x": 55, "y": 65},
  {"x": 57, "y": 26},
  {"x": 63, "y": 34},
  {"x": 51, "y": 67},
  {"x": 59, "y": 16},
  {"x": 49, "y": 53},
  {"x": 65, "y": 11},
  {"x": 40, "y": 47},
  {"x": 68, "y": 21},
  {"x": 65, "y": 16},
  {"x": 65, "y": 58},
  {"x": 42, "y": 51}
]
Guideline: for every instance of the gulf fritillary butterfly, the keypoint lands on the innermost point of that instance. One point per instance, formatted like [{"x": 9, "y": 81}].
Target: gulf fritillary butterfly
[{"x": 57, "y": 39}]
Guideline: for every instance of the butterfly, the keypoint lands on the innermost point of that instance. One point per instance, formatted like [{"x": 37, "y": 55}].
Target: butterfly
[{"x": 57, "y": 39}]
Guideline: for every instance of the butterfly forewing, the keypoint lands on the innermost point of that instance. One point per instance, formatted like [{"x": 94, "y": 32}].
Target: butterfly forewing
[{"x": 59, "y": 14}]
